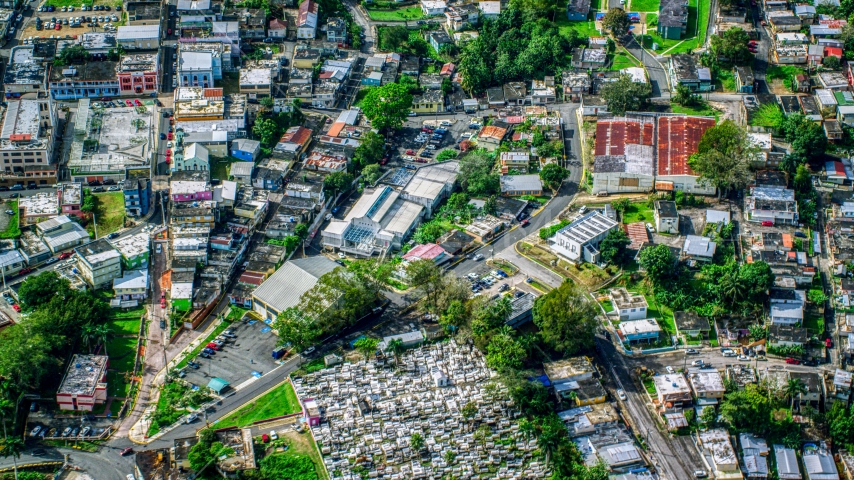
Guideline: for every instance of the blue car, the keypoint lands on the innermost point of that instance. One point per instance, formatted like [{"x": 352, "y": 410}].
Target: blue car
[
  {"x": 209, "y": 351},
  {"x": 335, "y": 209}
]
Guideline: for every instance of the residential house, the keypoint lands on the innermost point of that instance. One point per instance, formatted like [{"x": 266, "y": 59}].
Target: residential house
[
  {"x": 672, "y": 19},
  {"x": 637, "y": 331},
  {"x": 819, "y": 463},
  {"x": 294, "y": 142},
  {"x": 577, "y": 10},
  {"x": 433, "y": 8},
  {"x": 786, "y": 460},
  {"x": 789, "y": 54},
  {"x": 575, "y": 84},
  {"x": 666, "y": 217},
  {"x": 520, "y": 185},
  {"x": 516, "y": 93},
  {"x": 684, "y": 70},
  {"x": 133, "y": 285},
  {"x": 438, "y": 39},
  {"x": 588, "y": 58},
  {"x": 628, "y": 306},
  {"x": 707, "y": 383},
  {"x": 715, "y": 443},
  {"x": 698, "y": 248},
  {"x": 490, "y": 9},
  {"x": 491, "y": 136},
  {"x": 307, "y": 20},
  {"x": 579, "y": 241},
  {"x": 744, "y": 79},
  {"x": 61, "y": 233},
  {"x": 691, "y": 325},
  {"x": 458, "y": 16},
  {"x": 832, "y": 129},
  {"x": 812, "y": 383},
  {"x": 484, "y": 228},
  {"x": 277, "y": 29},
  {"x": 772, "y": 204},
  {"x": 138, "y": 37},
  {"x": 753, "y": 452},
  {"x": 336, "y": 30},
  {"x": 787, "y": 306},
  {"x": 786, "y": 335},
  {"x": 672, "y": 391},
  {"x": 430, "y": 102},
  {"x": 98, "y": 263},
  {"x": 783, "y": 21}
]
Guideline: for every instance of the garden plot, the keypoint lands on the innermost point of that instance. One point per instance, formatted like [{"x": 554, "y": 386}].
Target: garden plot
[{"x": 370, "y": 412}]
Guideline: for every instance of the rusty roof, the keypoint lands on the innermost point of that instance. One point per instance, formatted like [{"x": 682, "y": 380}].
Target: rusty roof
[
  {"x": 493, "y": 132},
  {"x": 612, "y": 136},
  {"x": 298, "y": 135},
  {"x": 678, "y": 138},
  {"x": 637, "y": 234},
  {"x": 212, "y": 93}
]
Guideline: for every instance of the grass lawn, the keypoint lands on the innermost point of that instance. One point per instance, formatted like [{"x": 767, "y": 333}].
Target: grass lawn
[
  {"x": 649, "y": 384},
  {"x": 814, "y": 323},
  {"x": 109, "y": 212},
  {"x": 303, "y": 444},
  {"x": 67, "y": 3},
  {"x": 540, "y": 286},
  {"x": 236, "y": 313},
  {"x": 396, "y": 15},
  {"x": 768, "y": 115},
  {"x": 637, "y": 212},
  {"x": 783, "y": 73},
  {"x": 275, "y": 403},
  {"x": 219, "y": 169},
  {"x": 12, "y": 230},
  {"x": 725, "y": 80},
  {"x": 607, "y": 305},
  {"x": 219, "y": 329},
  {"x": 585, "y": 29},
  {"x": 644, "y": 5},
  {"x": 125, "y": 323},
  {"x": 360, "y": 96},
  {"x": 122, "y": 352},
  {"x": 702, "y": 109},
  {"x": 230, "y": 82},
  {"x": 623, "y": 59},
  {"x": 713, "y": 336},
  {"x": 664, "y": 316},
  {"x": 170, "y": 395},
  {"x": 117, "y": 386},
  {"x": 651, "y": 20}
]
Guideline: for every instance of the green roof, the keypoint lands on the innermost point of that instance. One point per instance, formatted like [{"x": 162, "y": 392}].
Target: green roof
[
  {"x": 217, "y": 384},
  {"x": 844, "y": 98}
]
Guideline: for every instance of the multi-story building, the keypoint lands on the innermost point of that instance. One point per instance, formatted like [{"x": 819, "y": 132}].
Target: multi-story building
[
  {"x": 99, "y": 263},
  {"x": 133, "y": 285},
  {"x": 138, "y": 74},
  {"x": 84, "y": 384},
  {"x": 194, "y": 157},
  {"x": 89, "y": 80},
  {"x": 60, "y": 233},
  {"x": 25, "y": 73},
  {"x": 137, "y": 192},
  {"x": 307, "y": 20},
  {"x": 196, "y": 69},
  {"x": 71, "y": 199},
  {"x": 143, "y": 13},
  {"x": 336, "y": 30},
  {"x": 139, "y": 37},
  {"x": 673, "y": 19},
  {"x": 629, "y": 306},
  {"x": 27, "y": 142},
  {"x": 579, "y": 241},
  {"x": 134, "y": 249}
]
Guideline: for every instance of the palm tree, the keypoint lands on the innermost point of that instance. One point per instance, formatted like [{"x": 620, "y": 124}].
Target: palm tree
[
  {"x": 527, "y": 428},
  {"x": 102, "y": 334},
  {"x": 88, "y": 336},
  {"x": 396, "y": 348},
  {"x": 794, "y": 387}
]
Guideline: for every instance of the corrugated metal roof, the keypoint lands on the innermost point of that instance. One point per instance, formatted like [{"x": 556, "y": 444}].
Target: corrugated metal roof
[
  {"x": 678, "y": 138},
  {"x": 612, "y": 136},
  {"x": 285, "y": 287}
]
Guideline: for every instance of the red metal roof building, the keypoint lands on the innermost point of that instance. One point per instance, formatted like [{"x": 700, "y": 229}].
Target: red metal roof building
[
  {"x": 612, "y": 136},
  {"x": 678, "y": 138}
]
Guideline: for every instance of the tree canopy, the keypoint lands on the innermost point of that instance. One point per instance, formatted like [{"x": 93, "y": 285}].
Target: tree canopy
[
  {"x": 477, "y": 174},
  {"x": 658, "y": 261},
  {"x": 626, "y": 95},
  {"x": 566, "y": 319},
  {"x": 387, "y": 106},
  {"x": 616, "y": 21},
  {"x": 614, "y": 248},
  {"x": 369, "y": 151},
  {"x": 806, "y": 137},
  {"x": 730, "y": 47},
  {"x": 553, "y": 175},
  {"x": 723, "y": 157}
]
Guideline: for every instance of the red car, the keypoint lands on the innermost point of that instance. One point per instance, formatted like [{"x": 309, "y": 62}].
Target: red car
[
  {"x": 213, "y": 346},
  {"x": 16, "y": 308},
  {"x": 524, "y": 223},
  {"x": 828, "y": 343},
  {"x": 163, "y": 304},
  {"x": 137, "y": 103},
  {"x": 410, "y": 152},
  {"x": 63, "y": 256},
  {"x": 426, "y": 130},
  {"x": 169, "y": 136},
  {"x": 168, "y": 31},
  {"x": 25, "y": 271},
  {"x": 767, "y": 223},
  {"x": 792, "y": 361},
  {"x": 265, "y": 438}
]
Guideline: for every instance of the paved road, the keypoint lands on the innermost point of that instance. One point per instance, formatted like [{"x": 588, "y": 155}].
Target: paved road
[{"x": 657, "y": 73}]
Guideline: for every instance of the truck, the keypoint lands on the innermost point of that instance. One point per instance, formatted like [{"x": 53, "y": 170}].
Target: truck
[{"x": 279, "y": 352}]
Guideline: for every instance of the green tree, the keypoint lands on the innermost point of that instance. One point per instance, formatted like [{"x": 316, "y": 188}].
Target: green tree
[
  {"x": 89, "y": 202},
  {"x": 658, "y": 262},
  {"x": 469, "y": 410},
  {"x": 446, "y": 154},
  {"x": 831, "y": 62},
  {"x": 267, "y": 131},
  {"x": 301, "y": 231},
  {"x": 266, "y": 102},
  {"x": 615, "y": 247},
  {"x": 807, "y": 138},
  {"x": 367, "y": 346},
  {"x": 723, "y": 157},
  {"x": 387, "y": 106},
  {"x": 490, "y": 206},
  {"x": 416, "y": 441},
  {"x": 731, "y": 47},
  {"x": 793, "y": 389},
  {"x": 393, "y": 38},
  {"x": 371, "y": 173},
  {"x": 457, "y": 201},
  {"x": 757, "y": 332},
  {"x": 369, "y": 151},
  {"x": 505, "y": 352},
  {"x": 72, "y": 55},
  {"x": 620, "y": 205},
  {"x": 626, "y": 95},
  {"x": 617, "y": 22},
  {"x": 566, "y": 319},
  {"x": 684, "y": 96},
  {"x": 292, "y": 466},
  {"x": 38, "y": 290},
  {"x": 803, "y": 180},
  {"x": 553, "y": 175},
  {"x": 449, "y": 457},
  {"x": 455, "y": 316},
  {"x": 338, "y": 182},
  {"x": 709, "y": 416},
  {"x": 295, "y": 329},
  {"x": 477, "y": 174},
  {"x": 428, "y": 232},
  {"x": 395, "y": 347}
]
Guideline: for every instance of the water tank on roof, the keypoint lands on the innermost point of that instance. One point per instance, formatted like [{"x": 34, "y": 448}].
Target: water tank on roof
[{"x": 77, "y": 365}]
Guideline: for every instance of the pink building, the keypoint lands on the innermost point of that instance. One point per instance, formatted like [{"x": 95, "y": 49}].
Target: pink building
[
  {"x": 311, "y": 412},
  {"x": 190, "y": 191},
  {"x": 70, "y": 199},
  {"x": 85, "y": 383}
]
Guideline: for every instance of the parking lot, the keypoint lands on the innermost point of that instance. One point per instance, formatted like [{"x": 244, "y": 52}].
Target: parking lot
[
  {"x": 412, "y": 140},
  {"x": 52, "y": 426},
  {"x": 241, "y": 358},
  {"x": 97, "y": 17}
]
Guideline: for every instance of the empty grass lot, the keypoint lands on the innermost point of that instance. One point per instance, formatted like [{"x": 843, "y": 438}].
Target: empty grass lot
[
  {"x": 122, "y": 352},
  {"x": 623, "y": 59},
  {"x": 276, "y": 403},
  {"x": 585, "y": 29},
  {"x": 396, "y": 15},
  {"x": 12, "y": 229},
  {"x": 637, "y": 212},
  {"x": 117, "y": 385},
  {"x": 644, "y": 5},
  {"x": 783, "y": 73},
  {"x": 698, "y": 23},
  {"x": 109, "y": 212},
  {"x": 702, "y": 109},
  {"x": 125, "y": 323}
]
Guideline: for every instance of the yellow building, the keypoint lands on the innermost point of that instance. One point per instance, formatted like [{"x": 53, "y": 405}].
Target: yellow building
[{"x": 431, "y": 102}]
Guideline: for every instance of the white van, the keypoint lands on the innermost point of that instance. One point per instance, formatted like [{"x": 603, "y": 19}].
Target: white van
[{"x": 328, "y": 217}]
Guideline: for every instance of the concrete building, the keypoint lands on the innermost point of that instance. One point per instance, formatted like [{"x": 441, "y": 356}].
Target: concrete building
[
  {"x": 245, "y": 149},
  {"x": 307, "y": 20},
  {"x": 89, "y": 80},
  {"x": 579, "y": 241},
  {"x": 70, "y": 199},
  {"x": 573, "y": 369},
  {"x": 684, "y": 70},
  {"x": 139, "y": 37},
  {"x": 624, "y": 155},
  {"x": 521, "y": 185},
  {"x": 707, "y": 383},
  {"x": 133, "y": 285},
  {"x": 137, "y": 192},
  {"x": 25, "y": 75},
  {"x": 27, "y": 143},
  {"x": 99, "y": 263},
  {"x": 673, "y": 390},
  {"x": 678, "y": 138},
  {"x": 430, "y": 184},
  {"x": 84, "y": 384},
  {"x": 637, "y": 331},
  {"x": 61, "y": 233},
  {"x": 139, "y": 74},
  {"x": 716, "y": 444},
  {"x": 143, "y": 13},
  {"x": 284, "y": 288},
  {"x": 672, "y": 19},
  {"x": 628, "y": 306},
  {"x": 134, "y": 249},
  {"x": 666, "y": 217},
  {"x": 771, "y": 204}
]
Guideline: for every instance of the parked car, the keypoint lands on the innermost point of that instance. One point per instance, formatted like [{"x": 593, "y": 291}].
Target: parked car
[
  {"x": 828, "y": 343},
  {"x": 669, "y": 369},
  {"x": 691, "y": 351},
  {"x": 25, "y": 271},
  {"x": 64, "y": 255},
  {"x": 767, "y": 223},
  {"x": 273, "y": 435},
  {"x": 212, "y": 346},
  {"x": 35, "y": 431},
  {"x": 621, "y": 394},
  {"x": 793, "y": 361},
  {"x": 126, "y": 451},
  {"x": 697, "y": 363},
  {"x": 209, "y": 351}
]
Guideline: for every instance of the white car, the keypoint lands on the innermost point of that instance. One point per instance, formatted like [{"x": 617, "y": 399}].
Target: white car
[
  {"x": 159, "y": 248},
  {"x": 341, "y": 255},
  {"x": 273, "y": 435},
  {"x": 479, "y": 256},
  {"x": 621, "y": 394},
  {"x": 697, "y": 363},
  {"x": 650, "y": 227},
  {"x": 168, "y": 144},
  {"x": 669, "y": 369},
  {"x": 743, "y": 358}
]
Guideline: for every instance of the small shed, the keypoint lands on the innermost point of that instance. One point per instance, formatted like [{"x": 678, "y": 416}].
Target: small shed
[{"x": 217, "y": 385}]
